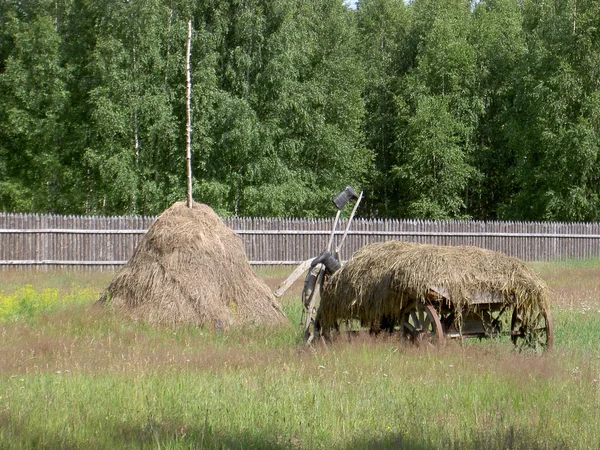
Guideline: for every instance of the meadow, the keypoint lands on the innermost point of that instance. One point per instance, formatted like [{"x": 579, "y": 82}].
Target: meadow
[{"x": 74, "y": 376}]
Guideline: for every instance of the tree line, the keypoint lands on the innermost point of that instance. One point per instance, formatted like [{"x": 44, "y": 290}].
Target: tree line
[{"x": 437, "y": 109}]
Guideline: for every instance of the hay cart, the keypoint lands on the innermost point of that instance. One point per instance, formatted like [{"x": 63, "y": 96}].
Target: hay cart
[
  {"x": 428, "y": 293},
  {"x": 423, "y": 293}
]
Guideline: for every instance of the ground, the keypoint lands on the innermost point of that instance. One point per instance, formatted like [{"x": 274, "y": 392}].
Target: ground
[{"x": 73, "y": 376}]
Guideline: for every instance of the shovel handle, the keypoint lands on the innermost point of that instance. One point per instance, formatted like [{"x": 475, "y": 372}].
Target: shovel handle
[
  {"x": 335, "y": 222},
  {"x": 337, "y": 249}
]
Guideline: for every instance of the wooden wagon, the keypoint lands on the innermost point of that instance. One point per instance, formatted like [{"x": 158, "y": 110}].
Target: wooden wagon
[{"x": 431, "y": 293}]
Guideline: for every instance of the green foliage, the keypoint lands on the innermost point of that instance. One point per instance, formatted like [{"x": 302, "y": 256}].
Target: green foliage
[
  {"x": 436, "y": 108},
  {"x": 32, "y": 98},
  {"x": 554, "y": 130},
  {"x": 435, "y": 170},
  {"x": 284, "y": 134},
  {"x": 383, "y": 26},
  {"x": 426, "y": 109},
  {"x": 499, "y": 42}
]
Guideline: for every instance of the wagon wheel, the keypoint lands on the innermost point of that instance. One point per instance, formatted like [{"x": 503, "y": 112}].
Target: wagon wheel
[
  {"x": 421, "y": 323},
  {"x": 532, "y": 330}
]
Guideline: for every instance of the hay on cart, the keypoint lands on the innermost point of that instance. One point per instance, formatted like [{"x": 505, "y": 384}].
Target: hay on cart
[
  {"x": 190, "y": 268},
  {"x": 380, "y": 279}
]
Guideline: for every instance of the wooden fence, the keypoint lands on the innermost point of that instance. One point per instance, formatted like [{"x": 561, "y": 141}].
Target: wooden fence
[{"x": 50, "y": 240}]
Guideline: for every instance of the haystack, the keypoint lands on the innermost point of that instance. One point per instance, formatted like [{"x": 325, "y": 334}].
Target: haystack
[
  {"x": 190, "y": 268},
  {"x": 380, "y": 279}
]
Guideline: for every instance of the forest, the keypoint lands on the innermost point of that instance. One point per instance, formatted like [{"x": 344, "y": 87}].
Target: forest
[{"x": 437, "y": 109}]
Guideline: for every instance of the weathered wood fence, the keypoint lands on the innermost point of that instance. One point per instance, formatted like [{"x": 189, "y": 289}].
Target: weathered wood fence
[{"x": 50, "y": 240}]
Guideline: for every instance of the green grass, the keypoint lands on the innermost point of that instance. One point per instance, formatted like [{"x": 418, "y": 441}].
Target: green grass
[
  {"x": 351, "y": 396},
  {"x": 72, "y": 376}
]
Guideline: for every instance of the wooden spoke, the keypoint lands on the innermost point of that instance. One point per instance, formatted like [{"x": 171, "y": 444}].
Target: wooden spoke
[
  {"x": 410, "y": 328},
  {"x": 426, "y": 322},
  {"x": 415, "y": 320}
]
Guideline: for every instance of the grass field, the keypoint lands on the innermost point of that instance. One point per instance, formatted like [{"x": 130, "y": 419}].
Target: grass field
[{"x": 73, "y": 376}]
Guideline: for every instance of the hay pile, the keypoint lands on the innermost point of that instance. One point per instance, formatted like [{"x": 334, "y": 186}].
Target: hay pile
[
  {"x": 191, "y": 268},
  {"x": 382, "y": 278}
]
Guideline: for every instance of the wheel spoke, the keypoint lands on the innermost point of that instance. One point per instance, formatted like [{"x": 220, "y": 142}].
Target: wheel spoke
[
  {"x": 415, "y": 320},
  {"x": 421, "y": 315},
  {"x": 410, "y": 328},
  {"x": 427, "y": 323}
]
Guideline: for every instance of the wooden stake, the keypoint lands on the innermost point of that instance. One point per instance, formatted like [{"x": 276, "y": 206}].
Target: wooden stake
[{"x": 188, "y": 115}]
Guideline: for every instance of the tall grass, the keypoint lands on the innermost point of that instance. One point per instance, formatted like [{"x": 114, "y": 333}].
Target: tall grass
[
  {"x": 351, "y": 396},
  {"x": 77, "y": 377}
]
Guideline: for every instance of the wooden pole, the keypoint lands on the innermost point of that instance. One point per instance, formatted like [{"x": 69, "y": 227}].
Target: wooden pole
[{"x": 188, "y": 115}]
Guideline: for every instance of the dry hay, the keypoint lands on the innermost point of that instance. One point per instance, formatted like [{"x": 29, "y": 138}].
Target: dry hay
[
  {"x": 191, "y": 268},
  {"x": 380, "y": 279}
]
